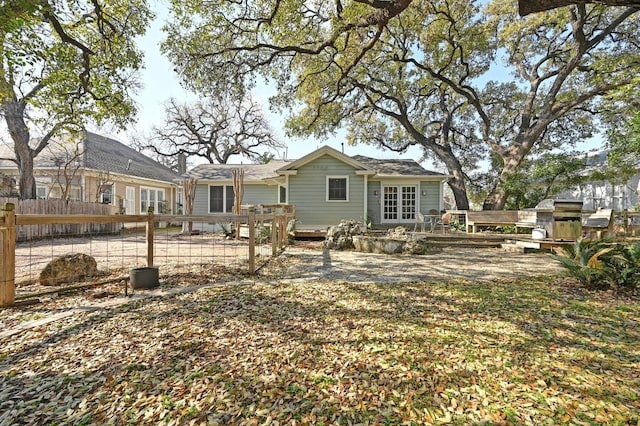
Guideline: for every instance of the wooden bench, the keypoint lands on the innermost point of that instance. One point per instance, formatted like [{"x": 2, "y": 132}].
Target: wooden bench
[
  {"x": 526, "y": 219},
  {"x": 598, "y": 224},
  {"x": 490, "y": 218}
]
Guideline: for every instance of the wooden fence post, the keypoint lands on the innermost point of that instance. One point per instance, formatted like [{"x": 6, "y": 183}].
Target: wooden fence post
[
  {"x": 8, "y": 257},
  {"x": 150, "y": 229},
  {"x": 274, "y": 234},
  {"x": 252, "y": 240},
  {"x": 283, "y": 233}
]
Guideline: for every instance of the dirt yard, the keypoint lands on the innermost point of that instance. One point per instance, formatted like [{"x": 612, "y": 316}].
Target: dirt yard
[{"x": 114, "y": 254}]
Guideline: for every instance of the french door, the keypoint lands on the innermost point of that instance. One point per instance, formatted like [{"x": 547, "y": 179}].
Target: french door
[{"x": 399, "y": 203}]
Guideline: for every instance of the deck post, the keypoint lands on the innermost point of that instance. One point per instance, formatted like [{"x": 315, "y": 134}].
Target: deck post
[
  {"x": 252, "y": 239},
  {"x": 149, "y": 233},
  {"x": 8, "y": 256}
]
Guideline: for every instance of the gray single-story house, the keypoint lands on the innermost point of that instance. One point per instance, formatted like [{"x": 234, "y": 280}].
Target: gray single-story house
[{"x": 326, "y": 186}]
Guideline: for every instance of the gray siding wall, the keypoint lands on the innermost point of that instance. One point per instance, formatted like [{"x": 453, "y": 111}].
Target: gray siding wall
[
  {"x": 260, "y": 194},
  {"x": 253, "y": 194},
  {"x": 307, "y": 190},
  {"x": 200, "y": 200},
  {"x": 373, "y": 202},
  {"x": 432, "y": 199}
]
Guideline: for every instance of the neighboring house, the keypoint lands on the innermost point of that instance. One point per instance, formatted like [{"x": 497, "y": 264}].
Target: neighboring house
[
  {"x": 103, "y": 170},
  {"x": 326, "y": 186},
  {"x": 604, "y": 194}
]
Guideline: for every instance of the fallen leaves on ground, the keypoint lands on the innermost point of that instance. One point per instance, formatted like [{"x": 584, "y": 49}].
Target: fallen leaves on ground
[{"x": 320, "y": 352}]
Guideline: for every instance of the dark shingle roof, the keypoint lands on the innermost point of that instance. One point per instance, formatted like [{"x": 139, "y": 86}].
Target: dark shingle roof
[
  {"x": 395, "y": 167},
  {"x": 102, "y": 153},
  {"x": 252, "y": 172}
]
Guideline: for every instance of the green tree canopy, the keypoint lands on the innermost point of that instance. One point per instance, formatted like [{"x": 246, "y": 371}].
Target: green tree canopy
[{"x": 65, "y": 64}]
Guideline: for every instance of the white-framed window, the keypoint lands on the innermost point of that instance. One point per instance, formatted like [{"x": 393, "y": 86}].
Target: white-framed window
[
  {"x": 179, "y": 201},
  {"x": 152, "y": 197},
  {"x": 282, "y": 194},
  {"x": 130, "y": 200},
  {"x": 42, "y": 192},
  {"x": 221, "y": 198},
  {"x": 106, "y": 196},
  {"x": 337, "y": 188},
  {"x": 75, "y": 193}
]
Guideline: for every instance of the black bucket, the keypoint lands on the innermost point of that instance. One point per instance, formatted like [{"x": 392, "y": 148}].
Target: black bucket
[{"x": 145, "y": 277}]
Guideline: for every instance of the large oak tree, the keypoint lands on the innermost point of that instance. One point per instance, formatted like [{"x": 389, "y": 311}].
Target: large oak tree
[
  {"x": 213, "y": 130},
  {"x": 63, "y": 64},
  {"x": 424, "y": 76}
]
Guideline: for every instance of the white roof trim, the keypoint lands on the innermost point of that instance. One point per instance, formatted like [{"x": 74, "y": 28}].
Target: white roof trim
[{"x": 419, "y": 177}]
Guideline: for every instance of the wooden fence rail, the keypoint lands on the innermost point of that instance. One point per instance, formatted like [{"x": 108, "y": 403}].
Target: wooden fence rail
[
  {"x": 61, "y": 207},
  {"x": 10, "y": 221}
]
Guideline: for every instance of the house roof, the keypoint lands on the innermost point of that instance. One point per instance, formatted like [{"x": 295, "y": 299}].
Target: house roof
[
  {"x": 252, "y": 172},
  {"x": 395, "y": 167},
  {"x": 258, "y": 172},
  {"x": 98, "y": 153},
  {"x": 102, "y": 153}
]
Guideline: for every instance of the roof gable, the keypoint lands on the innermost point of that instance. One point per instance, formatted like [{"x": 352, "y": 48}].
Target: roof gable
[{"x": 324, "y": 150}]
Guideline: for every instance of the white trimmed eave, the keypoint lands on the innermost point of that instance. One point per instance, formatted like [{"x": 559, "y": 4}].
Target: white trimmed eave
[
  {"x": 378, "y": 177},
  {"x": 287, "y": 172},
  {"x": 280, "y": 180},
  {"x": 125, "y": 177},
  {"x": 230, "y": 182}
]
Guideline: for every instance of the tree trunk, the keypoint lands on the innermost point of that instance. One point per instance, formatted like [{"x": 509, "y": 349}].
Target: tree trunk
[
  {"x": 19, "y": 132},
  {"x": 459, "y": 192},
  {"x": 497, "y": 198},
  {"x": 456, "y": 182}
]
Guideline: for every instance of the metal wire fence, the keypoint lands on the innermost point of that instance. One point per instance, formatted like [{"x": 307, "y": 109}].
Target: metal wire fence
[{"x": 137, "y": 241}]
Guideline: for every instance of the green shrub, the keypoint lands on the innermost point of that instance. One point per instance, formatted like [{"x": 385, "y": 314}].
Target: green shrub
[
  {"x": 624, "y": 265},
  {"x": 601, "y": 264},
  {"x": 585, "y": 260}
]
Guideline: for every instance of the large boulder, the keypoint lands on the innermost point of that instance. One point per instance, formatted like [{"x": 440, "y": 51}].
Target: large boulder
[
  {"x": 68, "y": 268},
  {"x": 340, "y": 237}
]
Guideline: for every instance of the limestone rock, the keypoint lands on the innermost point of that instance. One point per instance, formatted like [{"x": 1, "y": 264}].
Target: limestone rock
[
  {"x": 340, "y": 237},
  {"x": 67, "y": 268}
]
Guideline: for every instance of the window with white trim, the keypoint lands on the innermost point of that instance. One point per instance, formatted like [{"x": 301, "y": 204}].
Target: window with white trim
[
  {"x": 41, "y": 192},
  {"x": 75, "y": 193},
  {"x": 106, "y": 194},
  {"x": 152, "y": 197},
  {"x": 282, "y": 194},
  {"x": 337, "y": 188},
  {"x": 221, "y": 198}
]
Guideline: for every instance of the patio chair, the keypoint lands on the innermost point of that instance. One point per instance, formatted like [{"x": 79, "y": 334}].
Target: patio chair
[
  {"x": 419, "y": 221},
  {"x": 437, "y": 221}
]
